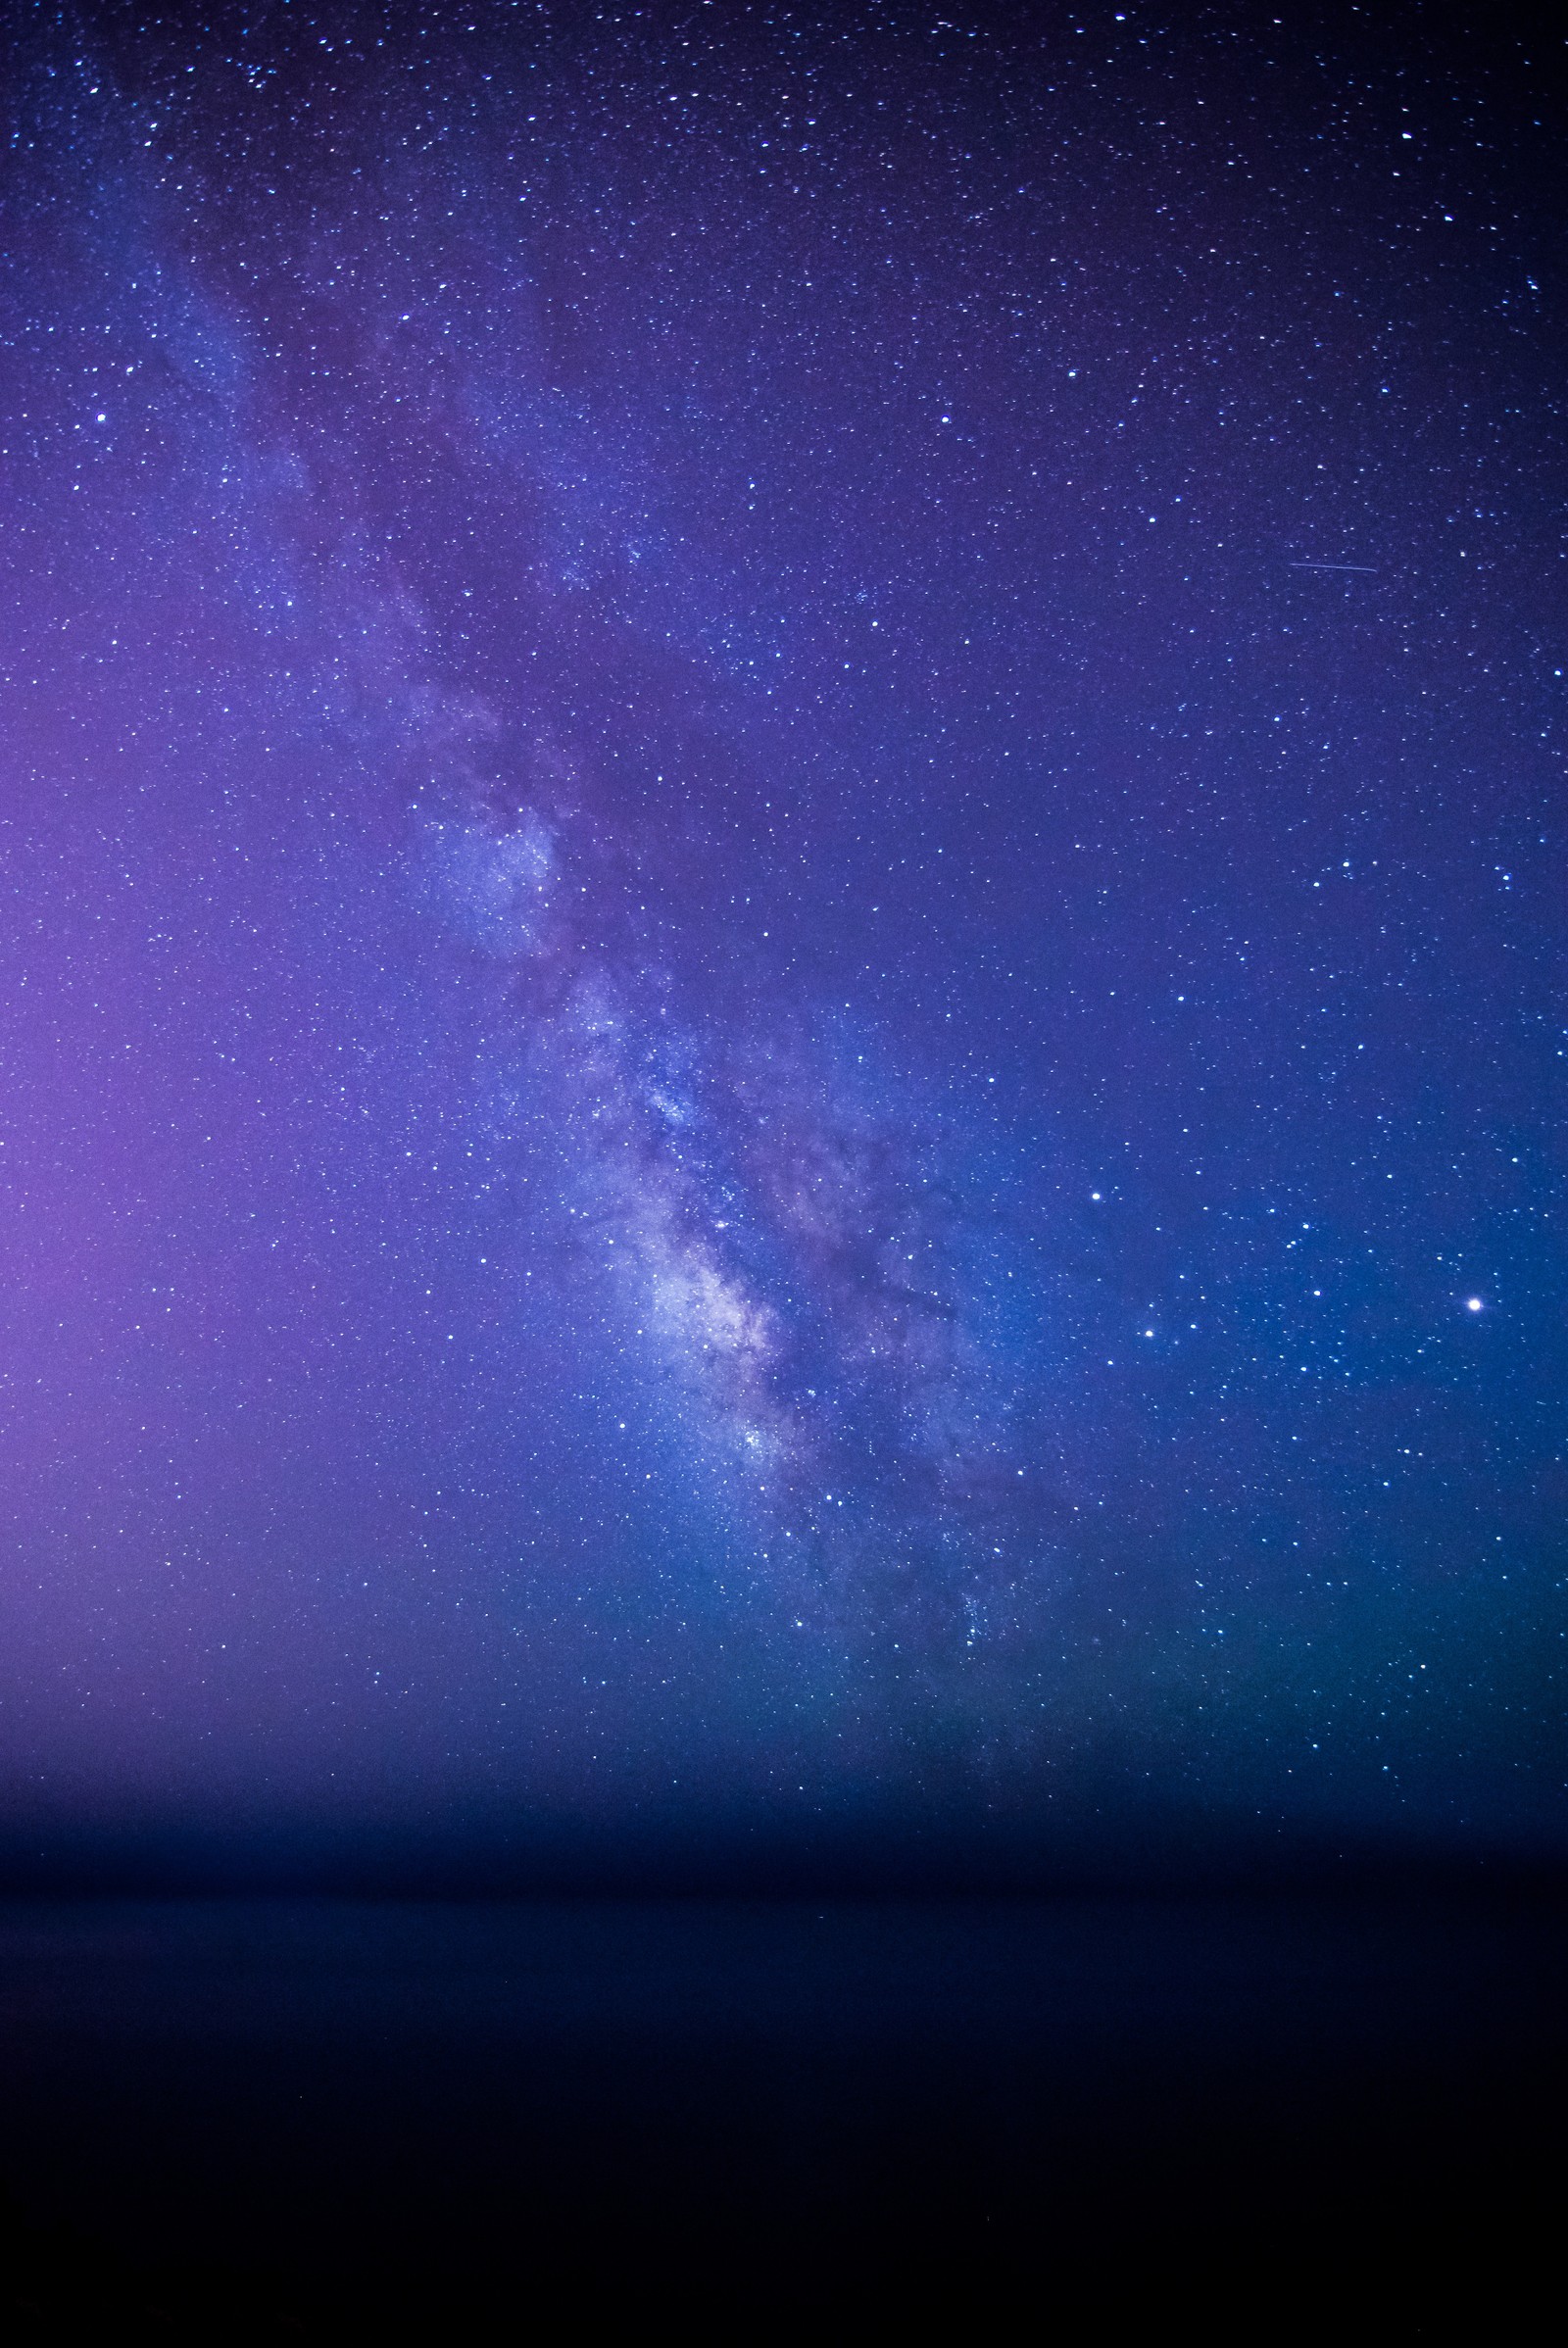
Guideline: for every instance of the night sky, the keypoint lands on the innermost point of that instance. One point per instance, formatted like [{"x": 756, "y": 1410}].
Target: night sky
[{"x": 781, "y": 853}]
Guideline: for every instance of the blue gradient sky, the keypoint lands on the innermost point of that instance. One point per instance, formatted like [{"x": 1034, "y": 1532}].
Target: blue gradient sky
[{"x": 781, "y": 834}]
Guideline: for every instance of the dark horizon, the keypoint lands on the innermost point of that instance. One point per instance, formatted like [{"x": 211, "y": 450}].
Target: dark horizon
[{"x": 745, "y": 1855}]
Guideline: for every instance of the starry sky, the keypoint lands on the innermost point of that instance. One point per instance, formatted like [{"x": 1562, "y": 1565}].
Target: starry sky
[{"x": 781, "y": 839}]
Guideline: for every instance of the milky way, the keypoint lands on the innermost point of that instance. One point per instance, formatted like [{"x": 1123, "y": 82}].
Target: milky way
[{"x": 783, "y": 818}]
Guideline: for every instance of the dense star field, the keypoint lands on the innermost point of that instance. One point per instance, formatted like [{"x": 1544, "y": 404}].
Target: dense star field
[{"x": 781, "y": 836}]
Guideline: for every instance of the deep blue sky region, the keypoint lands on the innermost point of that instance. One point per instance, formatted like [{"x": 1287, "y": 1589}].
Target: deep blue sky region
[{"x": 781, "y": 844}]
